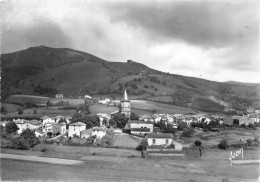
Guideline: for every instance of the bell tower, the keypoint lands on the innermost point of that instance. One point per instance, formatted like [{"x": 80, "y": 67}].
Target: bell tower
[{"x": 125, "y": 107}]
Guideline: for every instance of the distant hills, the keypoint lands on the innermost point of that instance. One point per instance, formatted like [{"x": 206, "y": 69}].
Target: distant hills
[{"x": 46, "y": 71}]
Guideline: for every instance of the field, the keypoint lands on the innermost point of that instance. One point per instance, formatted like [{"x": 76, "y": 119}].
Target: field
[
  {"x": 70, "y": 101},
  {"x": 10, "y": 107},
  {"x": 159, "y": 107},
  {"x": 213, "y": 166},
  {"x": 100, "y": 108},
  {"x": 22, "y": 99},
  {"x": 233, "y": 136}
]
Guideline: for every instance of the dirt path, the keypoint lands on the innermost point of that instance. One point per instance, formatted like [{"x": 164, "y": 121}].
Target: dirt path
[{"x": 41, "y": 159}]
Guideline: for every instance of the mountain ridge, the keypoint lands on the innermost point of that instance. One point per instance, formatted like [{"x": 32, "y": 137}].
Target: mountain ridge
[{"x": 44, "y": 71}]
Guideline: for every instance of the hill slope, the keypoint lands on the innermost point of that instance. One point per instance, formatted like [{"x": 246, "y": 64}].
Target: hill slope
[{"x": 46, "y": 71}]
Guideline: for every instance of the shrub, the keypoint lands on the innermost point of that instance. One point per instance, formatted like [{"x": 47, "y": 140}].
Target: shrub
[
  {"x": 187, "y": 133},
  {"x": 256, "y": 139},
  {"x": 249, "y": 142},
  {"x": 223, "y": 144},
  {"x": 107, "y": 140},
  {"x": 142, "y": 145},
  {"x": 146, "y": 86},
  {"x": 182, "y": 126},
  {"x": 19, "y": 143},
  {"x": 30, "y": 137},
  {"x": 197, "y": 143},
  {"x": 20, "y": 111}
]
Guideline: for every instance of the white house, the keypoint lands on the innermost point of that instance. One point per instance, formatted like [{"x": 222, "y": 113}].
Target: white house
[
  {"x": 48, "y": 127},
  {"x": 38, "y": 133},
  {"x": 98, "y": 131},
  {"x": 59, "y": 127},
  {"x": 104, "y": 119},
  {"x": 86, "y": 133},
  {"x": 139, "y": 127},
  {"x": 104, "y": 101},
  {"x": 47, "y": 119},
  {"x": 76, "y": 128},
  {"x": 159, "y": 139},
  {"x": 32, "y": 125},
  {"x": 59, "y": 96},
  {"x": 87, "y": 97},
  {"x": 204, "y": 119}
]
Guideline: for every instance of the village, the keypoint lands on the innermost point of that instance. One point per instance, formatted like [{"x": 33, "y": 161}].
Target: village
[{"x": 154, "y": 132}]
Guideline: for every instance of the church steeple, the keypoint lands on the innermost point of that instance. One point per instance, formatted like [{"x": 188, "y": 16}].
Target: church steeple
[
  {"x": 125, "y": 107},
  {"x": 125, "y": 97}
]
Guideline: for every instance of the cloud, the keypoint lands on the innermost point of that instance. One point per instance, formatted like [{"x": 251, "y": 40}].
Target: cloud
[
  {"x": 215, "y": 40},
  {"x": 207, "y": 24}
]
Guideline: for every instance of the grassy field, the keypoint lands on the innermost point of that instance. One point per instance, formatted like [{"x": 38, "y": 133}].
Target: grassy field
[
  {"x": 70, "y": 101},
  {"x": 100, "y": 108},
  {"x": 11, "y": 107},
  {"x": 126, "y": 140},
  {"x": 232, "y": 136},
  {"x": 22, "y": 99},
  {"x": 213, "y": 166},
  {"x": 160, "y": 107}
]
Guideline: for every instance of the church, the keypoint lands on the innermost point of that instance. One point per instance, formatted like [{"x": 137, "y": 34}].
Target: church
[{"x": 125, "y": 107}]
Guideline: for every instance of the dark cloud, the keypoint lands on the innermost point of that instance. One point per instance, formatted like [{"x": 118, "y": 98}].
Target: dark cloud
[
  {"x": 40, "y": 33},
  {"x": 213, "y": 24}
]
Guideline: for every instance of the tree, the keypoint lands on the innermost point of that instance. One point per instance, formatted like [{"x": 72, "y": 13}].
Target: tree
[
  {"x": 2, "y": 131},
  {"x": 197, "y": 143},
  {"x": 11, "y": 127},
  {"x": 20, "y": 111},
  {"x": 134, "y": 116},
  {"x": 249, "y": 142},
  {"x": 3, "y": 110},
  {"x": 223, "y": 144},
  {"x": 120, "y": 120},
  {"x": 187, "y": 133},
  {"x": 182, "y": 126},
  {"x": 30, "y": 137},
  {"x": 49, "y": 134}
]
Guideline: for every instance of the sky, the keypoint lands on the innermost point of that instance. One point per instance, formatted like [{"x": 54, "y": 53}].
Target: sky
[{"x": 214, "y": 40}]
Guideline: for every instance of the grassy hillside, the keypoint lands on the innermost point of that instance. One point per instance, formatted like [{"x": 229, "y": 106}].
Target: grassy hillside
[{"x": 45, "y": 71}]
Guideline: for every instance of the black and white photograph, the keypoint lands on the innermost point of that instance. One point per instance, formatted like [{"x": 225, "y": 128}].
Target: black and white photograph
[{"x": 130, "y": 90}]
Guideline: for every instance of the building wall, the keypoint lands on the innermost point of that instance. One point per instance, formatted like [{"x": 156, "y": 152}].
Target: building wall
[
  {"x": 98, "y": 133},
  {"x": 141, "y": 133},
  {"x": 23, "y": 126},
  {"x": 159, "y": 141},
  {"x": 125, "y": 108},
  {"x": 142, "y": 125},
  {"x": 75, "y": 130}
]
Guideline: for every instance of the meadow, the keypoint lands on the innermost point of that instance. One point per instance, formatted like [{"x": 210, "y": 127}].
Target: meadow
[{"x": 23, "y": 99}]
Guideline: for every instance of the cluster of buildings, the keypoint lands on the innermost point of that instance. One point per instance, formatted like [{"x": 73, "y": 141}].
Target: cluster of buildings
[{"x": 61, "y": 125}]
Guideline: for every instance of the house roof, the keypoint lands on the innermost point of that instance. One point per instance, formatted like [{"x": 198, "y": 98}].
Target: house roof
[
  {"x": 114, "y": 112},
  {"x": 88, "y": 131},
  {"x": 77, "y": 124},
  {"x": 140, "y": 122},
  {"x": 39, "y": 131},
  {"x": 33, "y": 122},
  {"x": 237, "y": 117},
  {"x": 45, "y": 117},
  {"x": 159, "y": 135}
]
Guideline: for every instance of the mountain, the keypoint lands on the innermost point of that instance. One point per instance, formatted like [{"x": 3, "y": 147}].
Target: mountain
[{"x": 45, "y": 71}]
